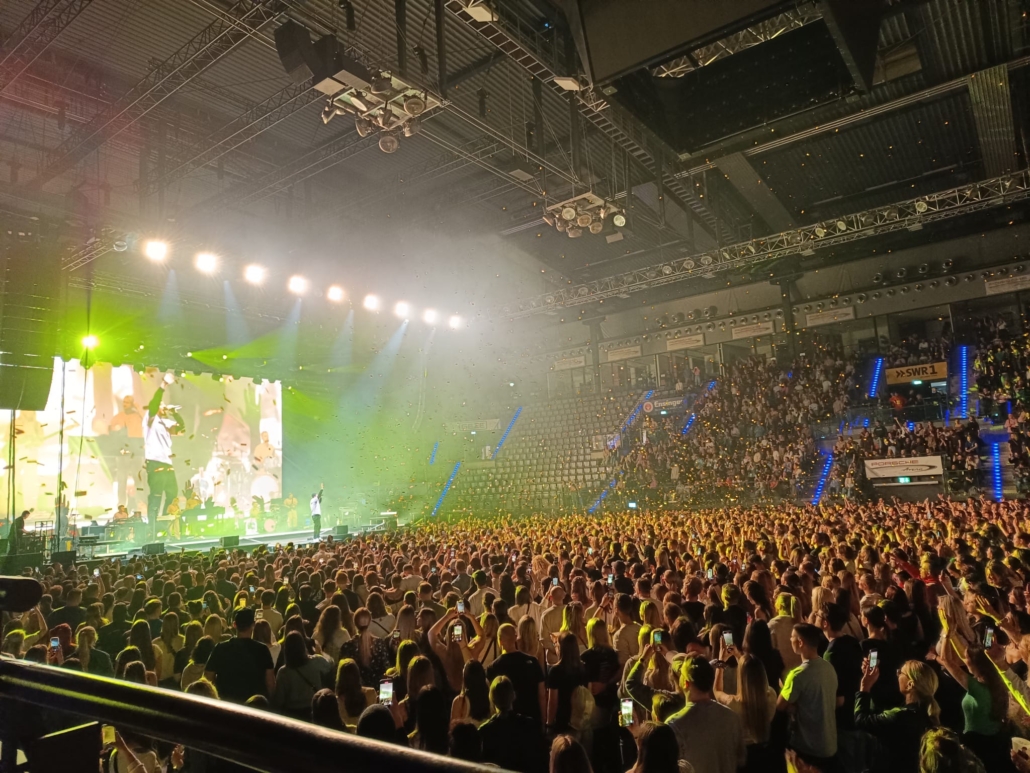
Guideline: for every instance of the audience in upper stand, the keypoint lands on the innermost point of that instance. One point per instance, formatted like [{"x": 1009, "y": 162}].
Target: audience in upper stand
[
  {"x": 914, "y": 349},
  {"x": 750, "y": 433}
]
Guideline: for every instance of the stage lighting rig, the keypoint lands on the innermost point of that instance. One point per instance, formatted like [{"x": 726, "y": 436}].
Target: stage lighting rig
[
  {"x": 335, "y": 294},
  {"x": 379, "y": 102},
  {"x": 155, "y": 250},
  {"x": 255, "y": 274},
  {"x": 206, "y": 262},
  {"x": 297, "y": 285},
  {"x": 586, "y": 213}
]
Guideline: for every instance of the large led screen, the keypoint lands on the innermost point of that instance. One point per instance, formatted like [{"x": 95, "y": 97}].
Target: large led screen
[{"x": 103, "y": 425}]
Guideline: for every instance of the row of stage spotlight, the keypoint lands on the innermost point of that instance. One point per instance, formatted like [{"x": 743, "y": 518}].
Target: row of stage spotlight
[{"x": 209, "y": 263}]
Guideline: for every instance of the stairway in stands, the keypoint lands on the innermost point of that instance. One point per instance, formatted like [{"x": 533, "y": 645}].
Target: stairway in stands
[{"x": 554, "y": 458}]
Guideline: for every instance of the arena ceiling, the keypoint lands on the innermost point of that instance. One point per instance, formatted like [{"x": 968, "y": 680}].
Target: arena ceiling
[{"x": 126, "y": 116}]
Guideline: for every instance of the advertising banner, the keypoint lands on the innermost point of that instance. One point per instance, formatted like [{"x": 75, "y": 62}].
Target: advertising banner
[{"x": 916, "y": 466}]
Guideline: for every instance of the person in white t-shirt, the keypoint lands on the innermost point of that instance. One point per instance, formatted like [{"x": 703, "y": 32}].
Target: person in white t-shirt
[{"x": 160, "y": 423}]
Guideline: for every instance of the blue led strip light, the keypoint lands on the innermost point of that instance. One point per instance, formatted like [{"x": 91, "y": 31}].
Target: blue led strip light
[
  {"x": 996, "y": 471},
  {"x": 874, "y": 385},
  {"x": 432, "y": 456},
  {"x": 636, "y": 412},
  {"x": 690, "y": 419},
  {"x": 446, "y": 488},
  {"x": 822, "y": 480},
  {"x": 602, "y": 496},
  {"x": 963, "y": 382},
  {"x": 505, "y": 435}
]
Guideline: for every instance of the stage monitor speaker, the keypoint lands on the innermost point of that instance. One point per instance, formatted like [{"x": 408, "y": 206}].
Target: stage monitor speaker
[
  {"x": 230, "y": 542},
  {"x": 30, "y": 276},
  {"x": 296, "y": 51},
  {"x": 341, "y": 530},
  {"x": 615, "y": 37},
  {"x": 65, "y": 558},
  {"x": 18, "y": 562},
  {"x": 154, "y": 549}
]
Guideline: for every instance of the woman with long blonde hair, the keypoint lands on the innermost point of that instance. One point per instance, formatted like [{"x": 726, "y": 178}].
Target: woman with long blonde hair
[
  {"x": 650, "y": 614},
  {"x": 484, "y": 647},
  {"x": 404, "y": 626},
  {"x": 329, "y": 633},
  {"x": 528, "y": 640},
  {"x": 352, "y": 697},
  {"x": 755, "y": 704},
  {"x": 574, "y": 622},
  {"x": 900, "y": 730}
]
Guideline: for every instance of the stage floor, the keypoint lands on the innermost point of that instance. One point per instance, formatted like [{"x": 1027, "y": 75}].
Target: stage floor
[{"x": 296, "y": 536}]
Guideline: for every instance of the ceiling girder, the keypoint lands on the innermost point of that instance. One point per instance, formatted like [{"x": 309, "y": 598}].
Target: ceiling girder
[
  {"x": 205, "y": 49},
  {"x": 598, "y": 112},
  {"x": 34, "y": 35},
  {"x": 992, "y": 111},
  {"x": 237, "y": 132},
  {"x": 904, "y": 215}
]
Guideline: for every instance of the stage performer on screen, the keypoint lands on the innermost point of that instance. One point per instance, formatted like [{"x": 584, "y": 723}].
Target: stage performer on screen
[{"x": 160, "y": 423}]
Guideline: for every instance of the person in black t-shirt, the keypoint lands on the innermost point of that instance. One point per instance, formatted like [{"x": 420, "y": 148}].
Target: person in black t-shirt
[
  {"x": 844, "y": 653},
  {"x": 525, "y": 673},
  {"x": 509, "y": 739},
  {"x": 562, "y": 681},
  {"x": 242, "y": 667}
]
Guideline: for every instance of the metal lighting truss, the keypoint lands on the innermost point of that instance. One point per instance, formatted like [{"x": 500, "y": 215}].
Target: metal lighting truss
[
  {"x": 331, "y": 153},
  {"x": 907, "y": 215},
  {"x": 208, "y": 47},
  {"x": 763, "y": 32},
  {"x": 594, "y": 109},
  {"x": 95, "y": 248},
  {"x": 237, "y": 132},
  {"x": 35, "y": 34}
]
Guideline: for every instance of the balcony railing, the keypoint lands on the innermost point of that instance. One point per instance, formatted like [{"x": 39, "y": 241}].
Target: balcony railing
[{"x": 258, "y": 739}]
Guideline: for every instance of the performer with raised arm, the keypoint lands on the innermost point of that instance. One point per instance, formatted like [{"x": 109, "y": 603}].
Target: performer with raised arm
[
  {"x": 160, "y": 423},
  {"x": 316, "y": 511}
]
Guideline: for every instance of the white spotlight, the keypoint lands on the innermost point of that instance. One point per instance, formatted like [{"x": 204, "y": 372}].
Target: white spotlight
[
  {"x": 402, "y": 309},
  {"x": 454, "y": 322},
  {"x": 297, "y": 285},
  {"x": 206, "y": 262},
  {"x": 155, "y": 250},
  {"x": 255, "y": 274},
  {"x": 429, "y": 316},
  {"x": 334, "y": 293},
  {"x": 372, "y": 302}
]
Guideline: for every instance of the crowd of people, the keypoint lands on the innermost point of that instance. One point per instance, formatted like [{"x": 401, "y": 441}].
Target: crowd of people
[
  {"x": 915, "y": 349},
  {"x": 750, "y": 433},
  {"x": 1002, "y": 366},
  {"x": 848, "y": 637},
  {"x": 958, "y": 443}
]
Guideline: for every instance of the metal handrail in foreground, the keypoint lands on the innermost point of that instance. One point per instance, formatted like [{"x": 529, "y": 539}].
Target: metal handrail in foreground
[{"x": 235, "y": 733}]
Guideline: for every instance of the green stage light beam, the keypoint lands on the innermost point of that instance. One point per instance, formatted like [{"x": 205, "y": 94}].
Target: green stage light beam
[
  {"x": 237, "y": 332},
  {"x": 286, "y": 338},
  {"x": 362, "y": 400},
  {"x": 343, "y": 348},
  {"x": 170, "y": 309}
]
